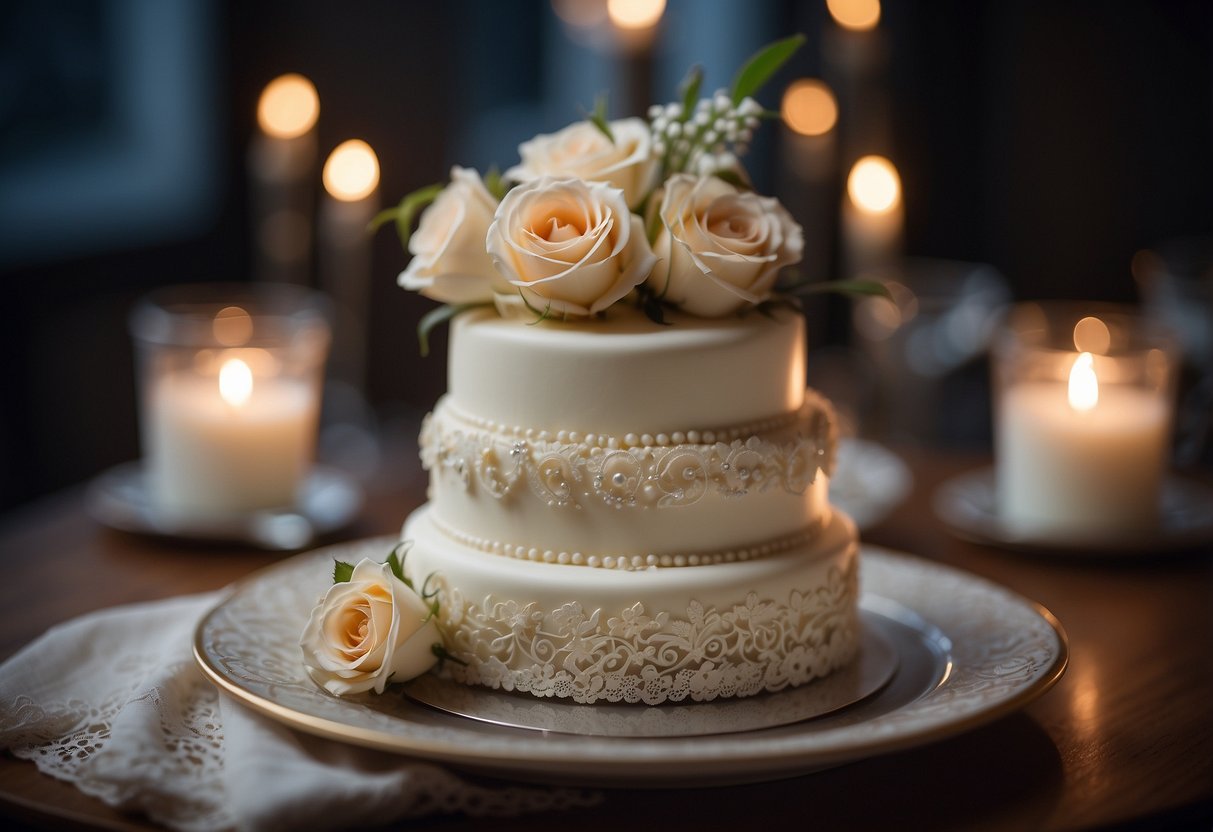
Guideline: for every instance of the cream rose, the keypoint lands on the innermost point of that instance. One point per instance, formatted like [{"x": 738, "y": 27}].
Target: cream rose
[
  {"x": 571, "y": 247},
  {"x": 720, "y": 247},
  {"x": 582, "y": 151},
  {"x": 449, "y": 261},
  {"x": 368, "y": 630}
]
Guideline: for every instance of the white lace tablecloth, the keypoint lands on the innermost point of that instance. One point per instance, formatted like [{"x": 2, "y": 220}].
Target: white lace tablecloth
[{"x": 113, "y": 703}]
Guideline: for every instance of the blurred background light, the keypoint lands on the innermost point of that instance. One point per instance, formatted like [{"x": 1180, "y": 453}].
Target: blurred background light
[
  {"x": 809, "y": 107},
  {"x": 635, "y": 14},
  {"x": 289, "y": 106},
  {"x": 874, "y": 185},
  {"x": 351, "y": 171},
  {"x": 856, "y": 15}
]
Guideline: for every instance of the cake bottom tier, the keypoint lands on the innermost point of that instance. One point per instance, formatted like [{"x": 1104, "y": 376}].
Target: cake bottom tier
[{"x": 654, "y": 635}]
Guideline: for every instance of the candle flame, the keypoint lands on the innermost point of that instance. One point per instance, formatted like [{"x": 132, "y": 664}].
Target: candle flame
[
  {"x": 1092, "y": 335},
  {"x": 809, "y": 107},
  {"x": 1084, "y": 386},
  {"x": 351, "y": 172},
  {"x": 288, "y": 106},
  {"x": 635, "y": 14},
  {"x": 232, "y": 326},
  {"x": 856, "y": 15},
  {"x": 873, "y": 185},
  {"x": 235, "y": 382}
]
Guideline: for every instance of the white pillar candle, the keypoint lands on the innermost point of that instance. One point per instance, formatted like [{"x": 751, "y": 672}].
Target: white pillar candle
[
  {"x": 351, "y": 200},
  {"x": 1080, "y": 459},
  {"x": 872, "y": 216},
  {"x": 854, "y": 54},
  {"x": 229, "y": 443},
  {"x": 807, "y": 154},
  {"x": 282, "y": 167}
]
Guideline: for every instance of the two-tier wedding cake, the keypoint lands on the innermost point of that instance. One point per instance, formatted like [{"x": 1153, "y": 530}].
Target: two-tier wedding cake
[
  {"x": 628, "y": 478},
  {"x": 626, "y": 511}
]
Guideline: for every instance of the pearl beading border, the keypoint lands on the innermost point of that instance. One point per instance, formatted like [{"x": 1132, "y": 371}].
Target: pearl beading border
[
  {"x": 632, "y": 439},
  {"x": 632, "y": 563}
]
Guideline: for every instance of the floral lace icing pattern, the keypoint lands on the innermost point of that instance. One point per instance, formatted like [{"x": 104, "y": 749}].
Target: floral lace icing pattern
[
  {"x": 629, "y": 655},
  {"x": 599, "y": 469}
]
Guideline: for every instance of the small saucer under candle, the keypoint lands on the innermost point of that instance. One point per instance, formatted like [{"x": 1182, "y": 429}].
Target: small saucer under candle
[
  {"x": 329, "y": 500},
  {"x": 968, "y": 505}
]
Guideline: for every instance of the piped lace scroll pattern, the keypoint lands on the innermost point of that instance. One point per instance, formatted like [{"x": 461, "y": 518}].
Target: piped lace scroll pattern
[
  {"x": 577, "y": 470},
  {"x": 630, "y": 655}
]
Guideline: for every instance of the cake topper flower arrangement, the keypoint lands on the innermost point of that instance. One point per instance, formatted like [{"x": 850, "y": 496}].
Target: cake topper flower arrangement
[{"x": 658, "y": 213}]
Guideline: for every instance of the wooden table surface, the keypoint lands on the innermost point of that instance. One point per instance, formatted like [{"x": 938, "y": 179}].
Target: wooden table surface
[{"x": 1124, "y": 739}]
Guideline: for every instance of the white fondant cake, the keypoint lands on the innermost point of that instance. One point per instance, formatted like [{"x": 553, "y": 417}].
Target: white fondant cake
[{"x": 623, "y": 511}]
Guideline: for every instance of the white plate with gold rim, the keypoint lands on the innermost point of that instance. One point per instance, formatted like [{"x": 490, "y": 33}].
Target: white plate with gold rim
[{"x": 968, "y": 651}]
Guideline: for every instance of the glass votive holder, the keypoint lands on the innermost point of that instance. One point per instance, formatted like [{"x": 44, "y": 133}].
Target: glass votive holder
[
  {"x": 1175, "y": 280},
  {"x": 230, "y": 379},
  {"x": 1083, "y": 409}
]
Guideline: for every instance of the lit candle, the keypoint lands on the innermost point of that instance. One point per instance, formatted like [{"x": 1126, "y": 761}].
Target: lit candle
[
  {"x": 1084, "y": 457},
  {"x": 855, "y": 23},
  {"x": 634, "y": 26},
  {"x": 229, "y": 379},
  {"x": 351, "y": 186},
  {"x": 637, "y": 18},
  {"x": 807, "y": 150},
  {"x": 810, "y": 113},
  {"x": 854, "y": 55},
  {"x": 282, "y": 162},
  {"x": 872, "y": 216},
  {"x": 229, "y": 435}
]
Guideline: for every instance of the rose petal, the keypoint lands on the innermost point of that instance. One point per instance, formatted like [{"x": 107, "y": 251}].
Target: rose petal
[
  {"x": 449, "y": 261},
  {"x": 721, "y": 248}
]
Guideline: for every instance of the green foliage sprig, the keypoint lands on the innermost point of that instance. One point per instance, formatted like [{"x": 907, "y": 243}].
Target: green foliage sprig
[
  {"x": 438, "y": 316},
  {"x": 762, "y": 65},
  {"x": 404, "y": 213}
]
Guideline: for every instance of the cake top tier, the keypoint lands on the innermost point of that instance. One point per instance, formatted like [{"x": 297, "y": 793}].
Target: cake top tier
[{"x": 627, "y": 374}]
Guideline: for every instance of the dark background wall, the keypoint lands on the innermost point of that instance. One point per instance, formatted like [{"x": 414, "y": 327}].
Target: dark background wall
[{"x": 1052, "y": 140}]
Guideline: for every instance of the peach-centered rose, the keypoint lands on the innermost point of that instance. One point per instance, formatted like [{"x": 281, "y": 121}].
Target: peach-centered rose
[
  {"x": 368, "y": 630},
  {"x": 582, "y": 151},
  {"x": 571, "y": 247},
  {"x": 720, "y": 247},
  {"x": 449, "y": 261}
]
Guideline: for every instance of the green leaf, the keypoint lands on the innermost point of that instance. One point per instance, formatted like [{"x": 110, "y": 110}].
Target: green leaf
[
  {"x": 689, "y": 90},
  {"x": 767, "y": 307},
  {"x": 444, "y": 656},
  {"x": 436, "y": 317},
  {"x": 765, "y": 63},
  {"x": 433, "y": 611},
  {"x": 656, "y": 223},
  {"x": 396, "y": 563},
  {"x": 651, "y": 306},
  {"x": 342, "y": 571},
  {"x": 404, "y": 213},
  {"x": 846, "y": 287},
  {"x": 494, "y": 184},
  {"x": 733, "y": 178},
  {"x": 599, "y": 117},
  {"x": 426, "y": 592},
  {"x": 543, "y": 314}
]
